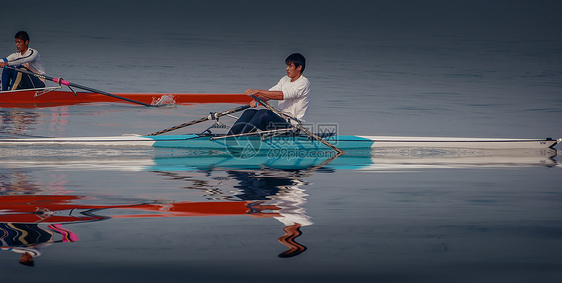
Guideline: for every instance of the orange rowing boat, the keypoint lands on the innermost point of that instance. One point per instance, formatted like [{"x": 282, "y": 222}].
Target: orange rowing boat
[{"x": 57, "y": 97}]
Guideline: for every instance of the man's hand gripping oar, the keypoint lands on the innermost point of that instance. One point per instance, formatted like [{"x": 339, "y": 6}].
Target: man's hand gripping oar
[{"x": 297, "y": 125}]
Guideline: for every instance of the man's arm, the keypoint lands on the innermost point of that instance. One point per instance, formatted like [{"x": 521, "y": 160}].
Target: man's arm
[{"x": 265, "y": 94}]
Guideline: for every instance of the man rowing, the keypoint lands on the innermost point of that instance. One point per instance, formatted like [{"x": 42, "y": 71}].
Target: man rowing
[
  {"x": 292, "y": 92},
  {"x": 26, "y": 58}
]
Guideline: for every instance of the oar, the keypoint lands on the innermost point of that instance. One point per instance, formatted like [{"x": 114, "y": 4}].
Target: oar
[
  {"x": 69, "y": 84},
  {"x": 212, "y": 116},
  {"x": 297, "y": 125}
]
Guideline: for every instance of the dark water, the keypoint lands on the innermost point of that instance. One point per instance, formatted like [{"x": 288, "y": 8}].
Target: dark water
[{"x": 467, "y": 68}]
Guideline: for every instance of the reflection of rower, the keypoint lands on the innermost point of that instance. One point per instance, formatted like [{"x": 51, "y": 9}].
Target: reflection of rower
[
  {"x": 30, "y": 239},
  {"x": 282, "y": 187},
  {"x": 291, "y": 199}
]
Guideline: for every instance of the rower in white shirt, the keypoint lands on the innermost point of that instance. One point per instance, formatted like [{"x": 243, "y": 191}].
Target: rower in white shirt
[
  {"x": 292, "y": 92},
  {"x": 26, "y": 58}
]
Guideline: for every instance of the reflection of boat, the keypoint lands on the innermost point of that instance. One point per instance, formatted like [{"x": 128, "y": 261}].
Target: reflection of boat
[
  {"x": 253, "y": 194},
  {"x": 69, "y": 209},
  {"x": 287, "y": 144},
  {"x": 25, "y": 210},
  {"x": 55, "y": 97},
  {"x": 20, "y": 216},
  {"x": 379, "y": 159}
]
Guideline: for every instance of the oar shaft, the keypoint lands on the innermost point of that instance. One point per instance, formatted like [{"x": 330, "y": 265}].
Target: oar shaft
[
  {"x": 211, "y": 116},
  {"x": 67, "y": 83},
  {"x": 298, "y": 126}
]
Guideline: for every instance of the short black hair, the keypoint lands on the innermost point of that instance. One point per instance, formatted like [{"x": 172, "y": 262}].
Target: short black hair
[
  {"x": 297, "y": 59},
  {"x": 22, "y": 35}
]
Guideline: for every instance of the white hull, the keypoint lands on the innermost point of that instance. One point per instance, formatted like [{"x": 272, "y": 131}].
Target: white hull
[
  {"x": 465, "y": 143},
  {"x": 300, "y": 143}
]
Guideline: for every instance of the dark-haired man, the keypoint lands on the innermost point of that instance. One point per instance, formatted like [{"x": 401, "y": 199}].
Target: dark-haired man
[
  {"x": 292, "y": 92},
  {"x": 26, "y": 58}
]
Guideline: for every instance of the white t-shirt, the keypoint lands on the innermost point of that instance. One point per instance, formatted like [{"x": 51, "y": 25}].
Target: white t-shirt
[
  {"x": 31, "y": 57},
  {"x": 295, "y": 96}
]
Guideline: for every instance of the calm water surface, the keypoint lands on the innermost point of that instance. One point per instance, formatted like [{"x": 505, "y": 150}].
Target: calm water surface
[{"x": 472, "y": 68}]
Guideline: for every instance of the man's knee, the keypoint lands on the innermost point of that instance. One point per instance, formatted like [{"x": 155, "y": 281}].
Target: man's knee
[{"x": 263, "y": 114}]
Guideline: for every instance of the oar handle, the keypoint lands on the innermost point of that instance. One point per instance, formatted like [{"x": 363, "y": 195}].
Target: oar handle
[{"x": 61, "y": 81}]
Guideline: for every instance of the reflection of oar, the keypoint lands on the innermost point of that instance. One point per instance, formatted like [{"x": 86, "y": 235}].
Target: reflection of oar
[
  {"x": 69, "y": 84},
  {"x": 291, "y": 233},
  {"x": 297, "y": 125},
  {"x": 212, "y": 116}
]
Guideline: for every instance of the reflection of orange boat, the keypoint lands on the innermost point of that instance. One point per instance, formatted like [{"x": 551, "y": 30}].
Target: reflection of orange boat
[
  {"x": 24, "y": 210},
  {"x": 66, "y": 209},
  {"x": 57, "y": 97},
  {"x": 21, "y": 214}
]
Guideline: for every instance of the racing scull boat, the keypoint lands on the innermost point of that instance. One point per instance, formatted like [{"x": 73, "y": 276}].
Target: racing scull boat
[
  {"x": 260, "y": 142},
  {"x": 297, "y": 139},
  {"x": 52, "y": 96},
  {"x": 55, "y": 96}
]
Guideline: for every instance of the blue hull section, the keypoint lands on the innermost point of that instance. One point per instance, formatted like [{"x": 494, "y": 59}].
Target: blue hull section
[{"x": 253, "y": 143}]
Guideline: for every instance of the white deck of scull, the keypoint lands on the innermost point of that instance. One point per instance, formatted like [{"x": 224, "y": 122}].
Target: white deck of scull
[{"x": 455, "y": 142}]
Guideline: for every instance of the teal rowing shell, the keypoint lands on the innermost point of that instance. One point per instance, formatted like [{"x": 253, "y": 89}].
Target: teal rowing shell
[{"x": 255, "y": 143}]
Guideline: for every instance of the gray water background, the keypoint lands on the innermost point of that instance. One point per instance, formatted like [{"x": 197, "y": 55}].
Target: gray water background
[
  {"x": 468, "y": 68},
  {"x": 414, "y": 68}
]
